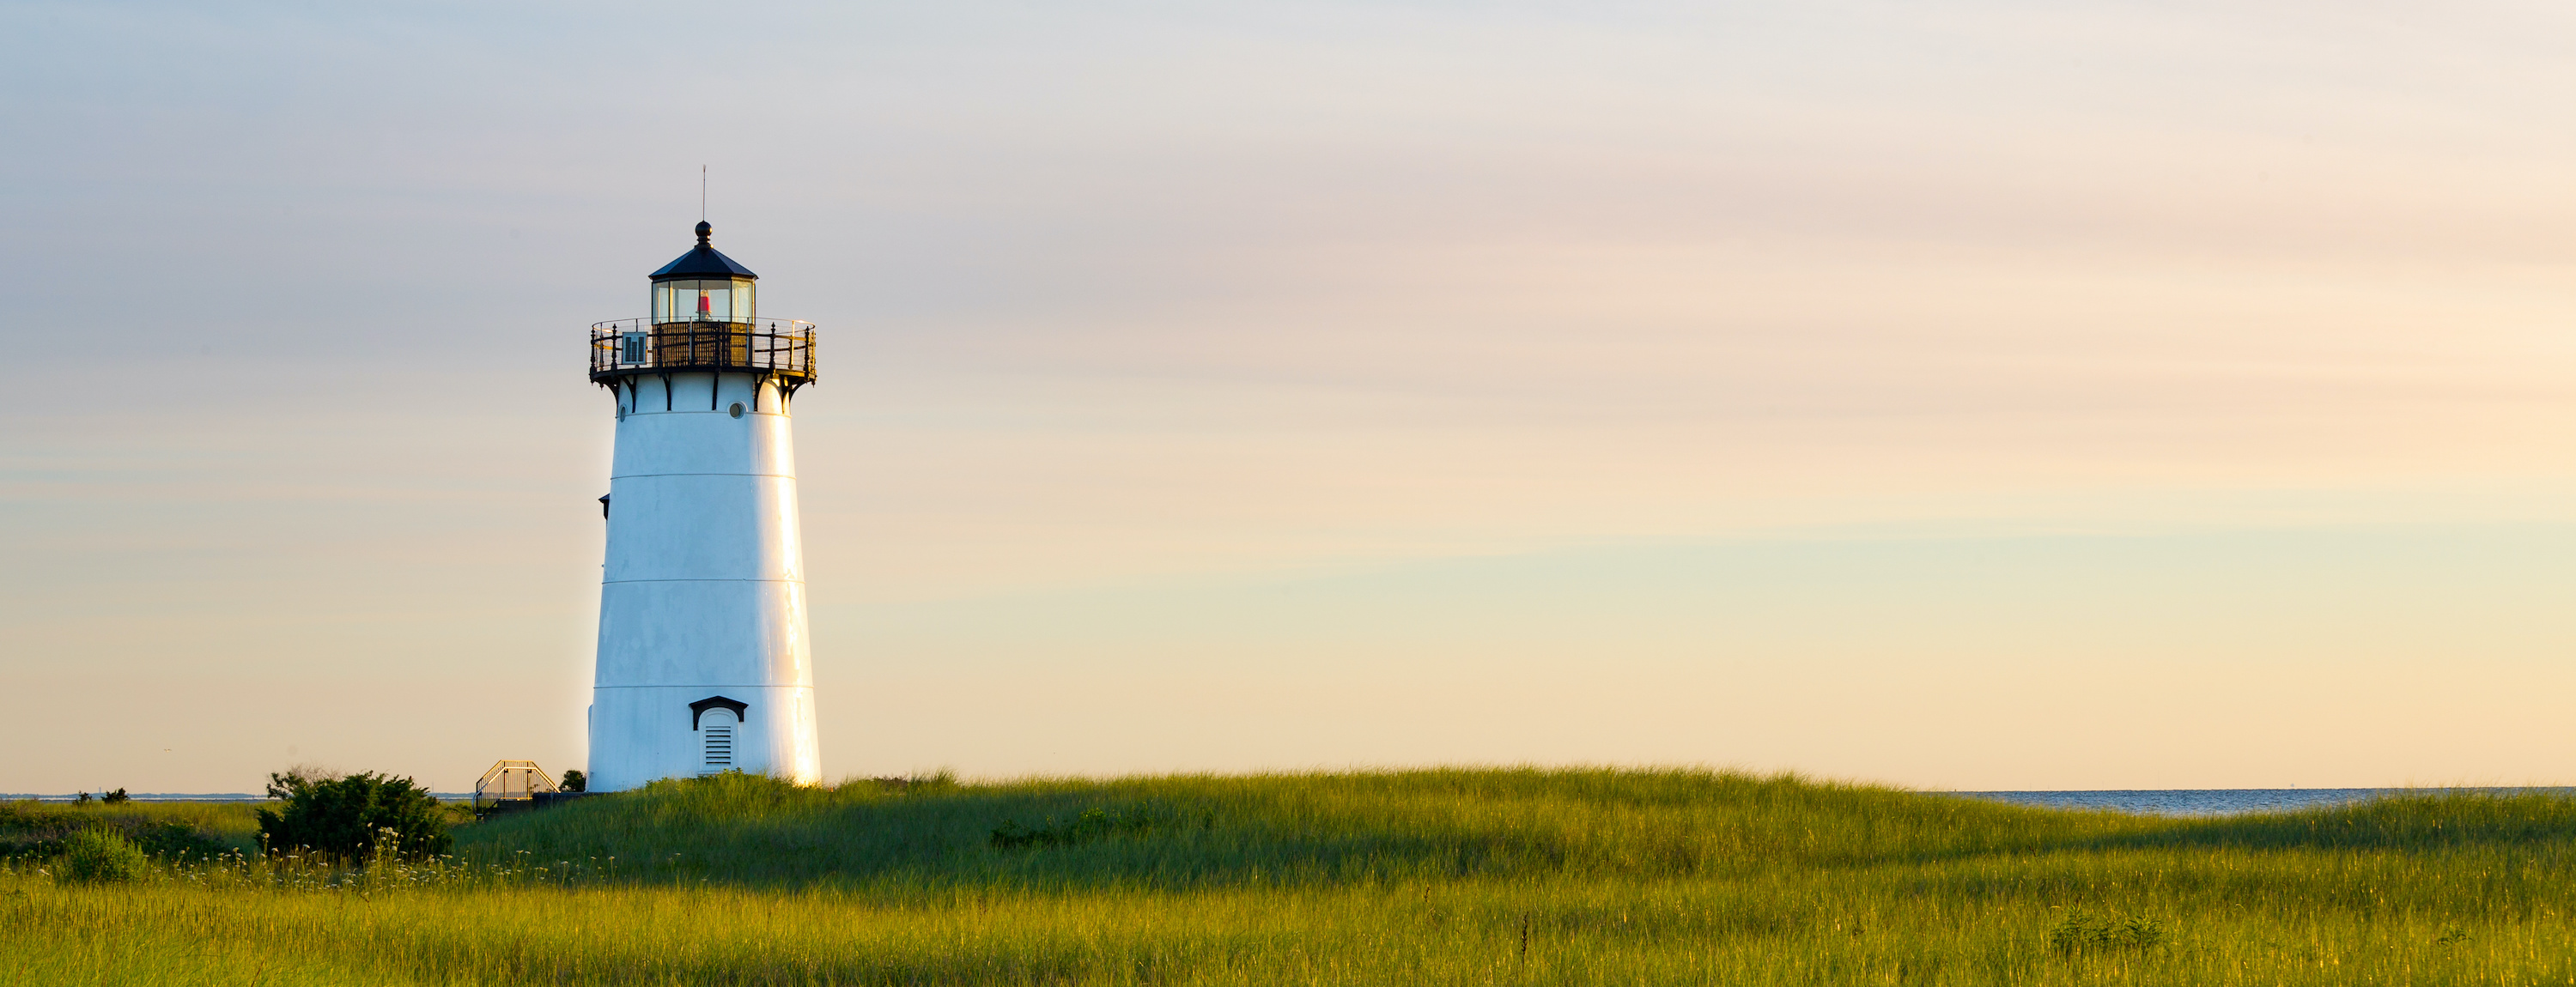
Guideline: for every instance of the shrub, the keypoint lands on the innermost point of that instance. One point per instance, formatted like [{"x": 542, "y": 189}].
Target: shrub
[
  {"x": 117, "y": 797},
  {"x": 176, "y": 841},
  {"x": 574, "y": 780},
  {"x": 348, "y": 816},
  {"x": 99, "y": 856},
  {"x": 283, "y": 785}
]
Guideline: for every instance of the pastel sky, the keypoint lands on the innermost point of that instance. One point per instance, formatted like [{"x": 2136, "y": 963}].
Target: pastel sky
[{"x": 1971, "y": 395}]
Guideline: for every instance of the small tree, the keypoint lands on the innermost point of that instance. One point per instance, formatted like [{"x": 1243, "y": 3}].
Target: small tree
[
  {"x": 283, "y": 785},
  {"x": 343, "y": 816},
  {"x": 100, "y": 855},
  {"x": 574, "y": 780},
  {"x": 117, "y": 797}
]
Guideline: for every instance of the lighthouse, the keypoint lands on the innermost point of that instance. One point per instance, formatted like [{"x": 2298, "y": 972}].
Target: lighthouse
[{"x": 704, "y": 661}]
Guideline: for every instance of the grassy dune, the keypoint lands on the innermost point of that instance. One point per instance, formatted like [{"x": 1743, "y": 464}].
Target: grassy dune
[{"x": 1504, "y": 877}]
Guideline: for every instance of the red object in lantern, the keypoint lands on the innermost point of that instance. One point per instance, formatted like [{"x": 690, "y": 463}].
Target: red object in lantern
[{"x": 702, "y": 303}]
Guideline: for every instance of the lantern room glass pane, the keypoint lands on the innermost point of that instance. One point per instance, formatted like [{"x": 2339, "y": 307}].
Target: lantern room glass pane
[{"x": 702, "y": 301}]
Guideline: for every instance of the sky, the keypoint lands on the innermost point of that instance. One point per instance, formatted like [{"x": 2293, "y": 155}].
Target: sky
[{"x": 1979, "y": 395}]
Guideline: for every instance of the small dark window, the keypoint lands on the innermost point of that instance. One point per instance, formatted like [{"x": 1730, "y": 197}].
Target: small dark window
[
  {"x": 634, "y": 348},
  {"x": 737, "y": 409}
]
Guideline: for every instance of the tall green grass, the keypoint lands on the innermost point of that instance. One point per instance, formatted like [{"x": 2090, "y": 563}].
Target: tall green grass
[
  {"x": 1504, "y": 877},
  {"x": 29, "y": 828}
]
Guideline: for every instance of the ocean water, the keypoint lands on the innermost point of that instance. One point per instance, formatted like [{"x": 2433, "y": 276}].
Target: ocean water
[{"x": 2218, "y": 801}]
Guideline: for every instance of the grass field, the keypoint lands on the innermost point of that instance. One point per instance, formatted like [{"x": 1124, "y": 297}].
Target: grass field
[{"x": 1431, "y": 877}]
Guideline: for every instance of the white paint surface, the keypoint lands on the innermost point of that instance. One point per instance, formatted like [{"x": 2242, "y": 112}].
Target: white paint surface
[{"x": 703, "y": 593}]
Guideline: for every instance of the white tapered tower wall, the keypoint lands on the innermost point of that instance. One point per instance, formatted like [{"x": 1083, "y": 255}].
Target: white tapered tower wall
[{"x": 703, "y": 594}]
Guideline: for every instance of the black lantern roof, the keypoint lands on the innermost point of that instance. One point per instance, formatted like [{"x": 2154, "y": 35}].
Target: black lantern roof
[{"x": 703, "y": 262}]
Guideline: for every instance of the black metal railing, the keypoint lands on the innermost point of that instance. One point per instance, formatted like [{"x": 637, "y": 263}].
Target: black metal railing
[{"x": 783, "y": 347}]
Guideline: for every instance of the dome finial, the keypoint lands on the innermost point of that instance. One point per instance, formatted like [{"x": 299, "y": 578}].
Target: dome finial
[{"x": 704, "y": 230}]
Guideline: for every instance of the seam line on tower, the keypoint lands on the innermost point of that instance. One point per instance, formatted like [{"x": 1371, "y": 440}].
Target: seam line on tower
[
  {"x": 798, "y": 582},
  {"x": 641, "y": 476},
  {"x": 711, "y": 411}
]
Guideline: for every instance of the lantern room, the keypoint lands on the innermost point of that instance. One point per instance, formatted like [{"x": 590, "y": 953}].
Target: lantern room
[
  {"x": 703, "y": 318},
  {"x": 703, "y": 286},
  {"x": 701, "y": 300}
]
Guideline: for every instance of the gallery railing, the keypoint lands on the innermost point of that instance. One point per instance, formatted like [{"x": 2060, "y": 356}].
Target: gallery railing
[{"x": 780, "y": 347}]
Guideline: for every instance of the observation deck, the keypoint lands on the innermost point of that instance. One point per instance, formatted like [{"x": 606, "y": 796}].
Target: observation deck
[{"x": 779, "y": 348}]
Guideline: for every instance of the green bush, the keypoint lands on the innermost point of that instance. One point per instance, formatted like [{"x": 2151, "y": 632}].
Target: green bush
[
  {"x": 100, "y": 856},
  {"x": 348, "y": 816},
  {"x": 175, "y": 841},
  {"x": 574, "y": 780}
]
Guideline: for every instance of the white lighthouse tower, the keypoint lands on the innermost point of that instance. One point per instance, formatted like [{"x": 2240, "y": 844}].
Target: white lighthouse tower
[{"x": 704, "y": 662}]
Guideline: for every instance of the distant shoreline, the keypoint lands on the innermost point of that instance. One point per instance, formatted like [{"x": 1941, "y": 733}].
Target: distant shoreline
[
  {"x": 2139, "y": 801},
  {"x": 180, "y": 796}
]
